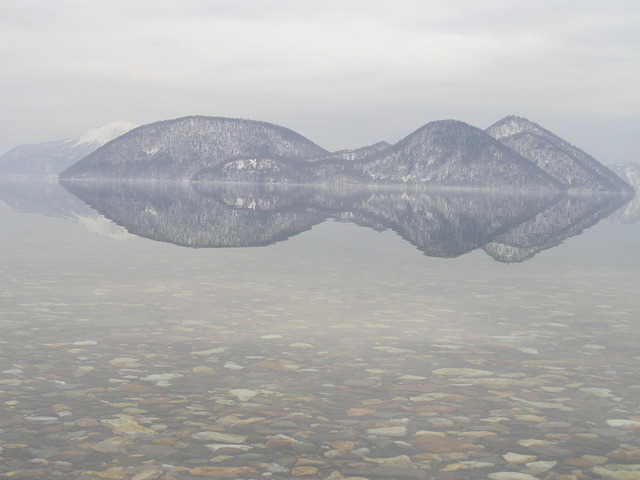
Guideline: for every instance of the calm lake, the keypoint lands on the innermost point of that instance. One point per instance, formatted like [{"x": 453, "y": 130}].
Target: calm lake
[{"x": 170, "y": 331}]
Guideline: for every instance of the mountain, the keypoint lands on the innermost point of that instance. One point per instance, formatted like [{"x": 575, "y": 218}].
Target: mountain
[
  {"x": 326, "y": 170},
  {"x": 630, "y": 173},
  {"x": 50, "y": 158},
  {"x": 454, "y": 154},
  {"x": 576, "y": 170},
  {"x": 185, "y": 148},
  {"x": 360, "y": 153},
  {"x": 513, "y": 154},
  {"x": 336, "y": 168}
]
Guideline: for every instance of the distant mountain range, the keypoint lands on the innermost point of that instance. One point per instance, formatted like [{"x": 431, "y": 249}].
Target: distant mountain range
[
  {"x": 630, "y": 173},
  {"x": 50, "y": 158},
  {"x": 514, "y": 153}
]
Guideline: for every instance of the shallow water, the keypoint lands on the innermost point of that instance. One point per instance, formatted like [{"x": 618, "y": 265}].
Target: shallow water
[{"x": 342, "y": 350}]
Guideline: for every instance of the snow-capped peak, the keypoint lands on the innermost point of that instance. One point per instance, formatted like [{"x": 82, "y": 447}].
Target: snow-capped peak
[{"x": 106, "y": 133}]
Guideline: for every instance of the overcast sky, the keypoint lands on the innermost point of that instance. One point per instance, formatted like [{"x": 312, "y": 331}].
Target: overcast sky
[{"x": 344, "y": 73}]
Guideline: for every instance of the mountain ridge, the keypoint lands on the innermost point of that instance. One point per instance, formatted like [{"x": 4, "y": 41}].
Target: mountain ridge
[
  {"x": 574, "y": 168},
  {"x": 452, "y": 153},
  {"x": 49, "y": 159},
  {"x": 178, "y": 149},
  {"x": 513, "y": 153}
]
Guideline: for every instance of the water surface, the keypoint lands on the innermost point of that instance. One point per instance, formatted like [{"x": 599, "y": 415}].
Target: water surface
[{"x": 184, "y": 332}]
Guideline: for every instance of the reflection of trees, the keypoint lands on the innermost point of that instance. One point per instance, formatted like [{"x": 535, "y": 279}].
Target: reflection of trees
[
  {"x": 510, "y": 227},
  {"x": 564, "y": 218}
]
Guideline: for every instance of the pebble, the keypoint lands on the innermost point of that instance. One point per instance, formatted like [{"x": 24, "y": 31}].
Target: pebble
[
  {"x": 462, "y": 372},
  {"x": 161, "y": 377},
  {"x": 243, "y": 394},
  {"x": 511, "y": 476},
  {"x": 518, "y": 458},
  {"x": 541, "y": 466},
  {"x": 388, "y": 431},
  {"x": 223, "y": 472},
  {"x": 215, "y": 447},
  {"x": 304, "y": 471},
  {"x": 619, "y": 472},
  {"x": 623, "y": 423},
  {"x": 126, "y": 425},
  {"x": 152, "y": 474},
  {"x": 219, "y": 437},
  {"x": 112, "y": 445},
  {"x": 41, "y": 419}
]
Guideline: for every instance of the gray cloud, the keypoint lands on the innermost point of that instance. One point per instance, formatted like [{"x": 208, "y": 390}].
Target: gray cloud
[{"x": 343, "y": 73}]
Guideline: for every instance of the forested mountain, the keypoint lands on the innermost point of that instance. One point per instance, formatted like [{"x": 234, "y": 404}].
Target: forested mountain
[
  {"x": 454, "y": 154},
  {"x": 575, "y": 169},
  {"x": 360, "y": 153},
  {"x": 182, "y": 149},
  {"x": 513, "y": 154}
]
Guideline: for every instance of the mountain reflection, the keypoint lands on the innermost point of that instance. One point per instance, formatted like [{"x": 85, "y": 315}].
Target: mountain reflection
[{"x": 510, "y": 227}]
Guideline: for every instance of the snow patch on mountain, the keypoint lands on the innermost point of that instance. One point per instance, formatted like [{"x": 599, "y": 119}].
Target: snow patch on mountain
[{"x": 106, "y": 133}]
